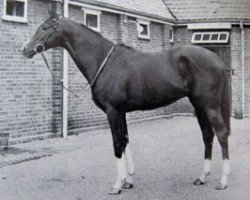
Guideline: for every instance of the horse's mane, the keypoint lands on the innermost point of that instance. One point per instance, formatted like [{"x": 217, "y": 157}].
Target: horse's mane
[{"x": 84, "y": 27}]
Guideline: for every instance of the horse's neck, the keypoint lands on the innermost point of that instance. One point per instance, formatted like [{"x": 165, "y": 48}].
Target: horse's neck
[{"x": 86, "y": 48}]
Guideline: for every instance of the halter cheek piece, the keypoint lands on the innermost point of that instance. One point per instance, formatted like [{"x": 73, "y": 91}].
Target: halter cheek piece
[{"x": 40, "y": 48}]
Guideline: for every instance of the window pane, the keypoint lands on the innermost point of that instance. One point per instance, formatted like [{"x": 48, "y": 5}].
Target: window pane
[
  {"x": 215, "y": 37},
  {"x": 10, "y": 7},
  {"x": 20, "y": 9},
  {"x": 92, "y": 20},
  {"x": 170, "y": 34},
  {"x": 206, "y": 37},
  {"x": 145, "y": 29},
  {"x": 15, "y": 8},
  {"x": 223, "y": 36},
  {"x": 197, "y": 37}
]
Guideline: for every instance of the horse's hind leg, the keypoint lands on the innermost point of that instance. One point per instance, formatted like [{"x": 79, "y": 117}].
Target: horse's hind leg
[
  {"x": 208, "y": 135},
  {"x": 216, "y": 120}
]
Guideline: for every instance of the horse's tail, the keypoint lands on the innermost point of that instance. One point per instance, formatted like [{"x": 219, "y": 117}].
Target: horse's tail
[{"x": 225, "y": 104}]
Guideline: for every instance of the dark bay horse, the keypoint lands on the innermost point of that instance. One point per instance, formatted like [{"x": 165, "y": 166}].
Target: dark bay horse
[{"x": 132, "y": 80}]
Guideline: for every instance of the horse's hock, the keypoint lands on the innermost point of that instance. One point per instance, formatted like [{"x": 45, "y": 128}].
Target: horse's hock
[{"x": 4, "y": 141}]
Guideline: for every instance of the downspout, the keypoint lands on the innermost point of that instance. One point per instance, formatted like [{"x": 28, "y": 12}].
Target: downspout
[
  {"x": 243, "y": 66},
  {"x": 65, "y": 78}
]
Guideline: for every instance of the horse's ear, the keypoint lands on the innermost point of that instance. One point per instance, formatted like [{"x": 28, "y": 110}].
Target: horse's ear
[{"x": 52, "y": 12}]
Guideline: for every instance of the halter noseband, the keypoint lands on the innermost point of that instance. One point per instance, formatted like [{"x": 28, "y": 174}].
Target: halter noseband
[{"x": 39, "y": 48}]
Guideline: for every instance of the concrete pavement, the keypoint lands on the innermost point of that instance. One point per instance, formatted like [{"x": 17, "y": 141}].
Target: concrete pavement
[{"x": 168, "y": 156}]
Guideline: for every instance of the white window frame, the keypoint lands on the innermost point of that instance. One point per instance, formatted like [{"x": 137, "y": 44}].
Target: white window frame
[
  {"x": 92, "y": 12},
  {"x": 15, "y": 18},
  {"x": 210, "y": 41},
  {"x": 147, "y": 23},
  {"x": 171, "y": 39}
]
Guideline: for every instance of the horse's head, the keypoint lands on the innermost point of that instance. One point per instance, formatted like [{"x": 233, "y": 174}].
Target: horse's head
[{"x": 46, "y": 37}]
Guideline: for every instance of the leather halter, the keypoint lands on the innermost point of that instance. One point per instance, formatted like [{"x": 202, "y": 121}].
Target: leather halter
[{"x": 37, "y": 50}]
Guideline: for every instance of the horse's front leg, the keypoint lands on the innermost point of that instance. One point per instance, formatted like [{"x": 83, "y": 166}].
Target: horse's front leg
[
  {"x": 130, "y": 168},
  {"x": 125, "y": 165}
]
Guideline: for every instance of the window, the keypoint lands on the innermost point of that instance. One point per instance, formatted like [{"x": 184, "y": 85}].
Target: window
[
  {"x": 15, "y": 10},
  {"x": 171, "y": 35},
  {"x": 92, "y": 19},
  {"x": 210, "y": 37},
  {"x": 143, "y": 29}
]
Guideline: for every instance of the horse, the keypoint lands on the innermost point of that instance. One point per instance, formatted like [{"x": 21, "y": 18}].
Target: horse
[{"x": 124, "y": 79}]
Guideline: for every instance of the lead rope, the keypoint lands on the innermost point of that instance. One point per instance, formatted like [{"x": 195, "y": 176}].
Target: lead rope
[
  {"x": 60, "y": 83},
  {"x": 85, "y": 86}
]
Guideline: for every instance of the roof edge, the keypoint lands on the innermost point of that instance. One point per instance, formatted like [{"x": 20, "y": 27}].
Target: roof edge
[
  {"x": 170, "y": 11},
  {"x": 123, "y": 10},
  {"x": 231, "y": 21}
]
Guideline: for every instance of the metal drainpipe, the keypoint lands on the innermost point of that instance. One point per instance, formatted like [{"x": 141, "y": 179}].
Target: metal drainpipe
[
  {"x": 243, "y": 66},
  {"x": 65, "y": 78}
]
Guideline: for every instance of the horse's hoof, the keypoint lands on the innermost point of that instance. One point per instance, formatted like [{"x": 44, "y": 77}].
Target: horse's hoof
[
  {"x": 127, "y": 185},
  {"x": 221, "y": 187},
  {"x": 198, "y": 182},
  {"x": 115, "y": 191}
]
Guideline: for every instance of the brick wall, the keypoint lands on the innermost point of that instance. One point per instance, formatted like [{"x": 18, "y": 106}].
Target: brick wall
[
  {"x": 237, "y": 100},
  {"x": 26, "y": 102},
  {"x": 237, "y": 79},
  {"x": 247, "y": 70},
  {"x": 182, "y": 36}
]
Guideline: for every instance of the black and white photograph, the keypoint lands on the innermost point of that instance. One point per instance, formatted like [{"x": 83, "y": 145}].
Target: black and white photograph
[{"x": 124, "y": 99}]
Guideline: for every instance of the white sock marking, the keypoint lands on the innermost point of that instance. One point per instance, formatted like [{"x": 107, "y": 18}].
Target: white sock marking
[
  {"x": 129, "y": 160},
  {"x": 121, "y": 172},
  {"x": 206, "y": 170},
  {"x": 225, "y": 172}
]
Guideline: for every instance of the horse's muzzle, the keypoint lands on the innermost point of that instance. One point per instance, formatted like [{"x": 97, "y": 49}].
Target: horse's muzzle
[
  {"x": 25, "y": 50},
  {"x": 30, "y": 52},
  {"x": 24, "y": 46}
]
